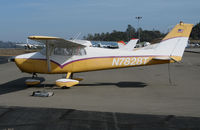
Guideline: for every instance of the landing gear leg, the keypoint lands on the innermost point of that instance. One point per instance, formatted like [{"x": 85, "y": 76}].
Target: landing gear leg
[
  {"x": 34, "y": 75},
  {"x": 69, "y": 74}
]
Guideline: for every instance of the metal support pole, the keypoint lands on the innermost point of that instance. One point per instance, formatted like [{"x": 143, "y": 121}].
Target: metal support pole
[{"x": 138, "y": 18}]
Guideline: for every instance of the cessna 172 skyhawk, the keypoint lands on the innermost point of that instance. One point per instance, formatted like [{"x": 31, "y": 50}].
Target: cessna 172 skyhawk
[{"x": 71, "y": 56}]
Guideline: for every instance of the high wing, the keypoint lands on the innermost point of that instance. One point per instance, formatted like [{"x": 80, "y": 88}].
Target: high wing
[
  {"x": 52, "y": 42},
  {"x": 56, "y": 41}
]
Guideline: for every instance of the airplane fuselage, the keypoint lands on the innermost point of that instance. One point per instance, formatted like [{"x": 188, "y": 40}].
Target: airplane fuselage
[{"x": 93, "y": 59}]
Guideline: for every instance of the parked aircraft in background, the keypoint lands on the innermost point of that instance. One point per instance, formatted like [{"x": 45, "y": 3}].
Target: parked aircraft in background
[
  {"x": 70, "y": 56},
  {"x": 26, "y": 46},
  {"x": 129, "y": 46},
  {"x": 30, "y": 46},
  {"x": 105, "y": 44},
  {"x": 114, "y": 45}
]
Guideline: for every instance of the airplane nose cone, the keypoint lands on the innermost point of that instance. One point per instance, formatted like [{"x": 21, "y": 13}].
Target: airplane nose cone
[{"x": 19, "y": 63}]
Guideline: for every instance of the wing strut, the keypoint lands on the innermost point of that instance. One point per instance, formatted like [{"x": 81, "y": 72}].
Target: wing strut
[{"x": 48, "y": 56}]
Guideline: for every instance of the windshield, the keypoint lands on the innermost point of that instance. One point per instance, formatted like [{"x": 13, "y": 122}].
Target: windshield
[{"x": 43, "y": 51}]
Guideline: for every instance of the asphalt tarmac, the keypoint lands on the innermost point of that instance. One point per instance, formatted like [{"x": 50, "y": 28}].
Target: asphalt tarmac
[{"x": 136, "y": 93}]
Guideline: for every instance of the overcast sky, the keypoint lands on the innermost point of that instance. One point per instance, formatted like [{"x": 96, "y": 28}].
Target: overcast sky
[{"x": 66, "y": 18}]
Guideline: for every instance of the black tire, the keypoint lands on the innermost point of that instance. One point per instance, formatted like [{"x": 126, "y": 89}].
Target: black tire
[{"x": 65, "y": 87}]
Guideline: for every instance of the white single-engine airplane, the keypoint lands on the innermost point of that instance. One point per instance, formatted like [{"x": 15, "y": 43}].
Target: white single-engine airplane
[{"x": 71, "y": 56}]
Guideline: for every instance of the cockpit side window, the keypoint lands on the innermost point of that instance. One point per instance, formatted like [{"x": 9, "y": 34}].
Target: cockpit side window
[
  {"x": 66, "y": 51},
  {"x": 69, "y": 51},
  {"x": 43, "y": 51}
]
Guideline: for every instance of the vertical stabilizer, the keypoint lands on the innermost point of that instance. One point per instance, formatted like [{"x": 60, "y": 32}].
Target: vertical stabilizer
[
  {"x": 180, "y": 30},
  {"x": 174, "y": 43}
]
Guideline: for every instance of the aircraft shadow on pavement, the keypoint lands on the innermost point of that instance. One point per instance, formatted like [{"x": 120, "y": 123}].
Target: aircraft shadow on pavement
[
  {"x": 16, "y": 85},
  {"x": 19, "y": 84},
  {"x": 124, "y": 84}
]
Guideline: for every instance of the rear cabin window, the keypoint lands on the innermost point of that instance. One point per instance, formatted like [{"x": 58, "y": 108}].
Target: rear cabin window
[{"x": 69, "y": 51}]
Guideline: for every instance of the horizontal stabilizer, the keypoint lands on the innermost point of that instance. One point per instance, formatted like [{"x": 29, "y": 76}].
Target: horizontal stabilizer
[
  {"x": 161, "y": 58},
  {"x": 165, "y": 58}
]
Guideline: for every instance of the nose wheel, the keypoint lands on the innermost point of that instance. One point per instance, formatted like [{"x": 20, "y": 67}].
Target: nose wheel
[
  {"x": 32, "y": 81},
  {"x": 34, "y": 75}
]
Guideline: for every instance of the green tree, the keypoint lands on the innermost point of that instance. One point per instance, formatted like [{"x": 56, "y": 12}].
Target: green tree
[
  {"x": 130, "y": 33},
  {"x": 195, "y": 34}
]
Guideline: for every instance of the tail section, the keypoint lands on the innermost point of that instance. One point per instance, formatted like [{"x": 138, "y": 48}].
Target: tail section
[
  {"x": 129, "y": 46},
  {"x": 174, "y": 43},
  {"x": 121, "y": 44}
]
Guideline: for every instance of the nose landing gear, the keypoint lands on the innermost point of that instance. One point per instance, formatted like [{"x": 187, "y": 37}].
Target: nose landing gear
[{"x": 32, "y": 81}]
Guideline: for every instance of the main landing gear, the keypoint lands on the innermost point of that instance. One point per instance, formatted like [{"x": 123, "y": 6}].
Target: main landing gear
[{"x": 67, "y": 82}]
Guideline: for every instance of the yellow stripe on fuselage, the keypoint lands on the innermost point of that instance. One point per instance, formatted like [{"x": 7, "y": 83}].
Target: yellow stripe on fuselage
[{"x": 83, "y": 65}]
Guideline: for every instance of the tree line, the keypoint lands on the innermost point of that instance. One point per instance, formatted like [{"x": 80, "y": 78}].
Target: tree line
[
  {"x": 152, "y": 36},
  {"x": 195, "y": 34},
  {"x": 130, "y": 32},
  {"x": 8, "y": 44},
  {"x": 145, "y": 35}
]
